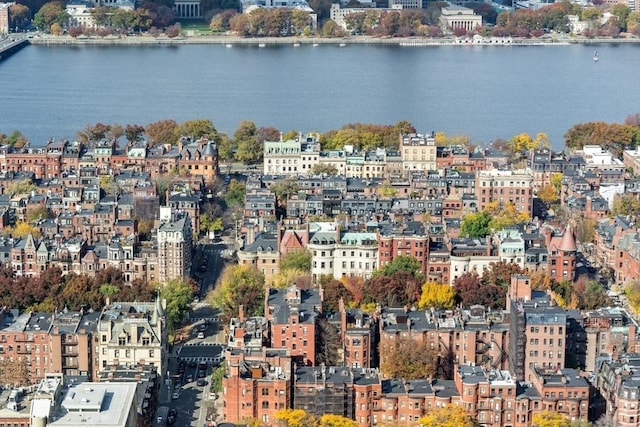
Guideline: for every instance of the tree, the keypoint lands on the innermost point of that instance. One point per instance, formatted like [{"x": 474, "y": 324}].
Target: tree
[
  {"x": 235, "y": 193},
  {"x": 556, "y": 181},
  {"x": 328, "y": 343},
  {"x": 409, "y": 360},
  {"x": 93, "y": 133},
  {"x": 209, "y": 223},
  {"x": 505, "y": 215},
  {"x": 386, "y": 191},
  {"x": 332, "y": 420},
  {"x": 20, "y": 187},
  {"x": 179, "y": 295},
  {"x": 19, "y": 15},
  {"x": 471, "y": 290},
  {"x": 324, "y": 169},
  {"x": 134, "y": 133},
  {"x": 334, "y": 290},
  {"x": 200, "y": 128},
  {"x": 437, "y": 296},
  {"x": 632, "y": 292},
  {"x": 216, "y": 378},
  {"x": 245, "y": 140},
  {"x": 395, "y": 290},
  {"x": 625, "y": 204},
  {"x": 400, "y": 264},
  {"x": 16, "y": 139},
  {"x": 50, "y": 13},
  {"x": 296, "y": 418},
  {"x": 23, "y": 229},
  {"x": 447, "y": 416},
  {"x": 15, "y": 371},
  {"x": 162, "y": 132},
  {"x": 548, "y": 193},
  {"x": 296, "y": 260},
  {"x": 239, "y": 285},
  {"x": 552, "y": 419},
  {"x": 475, "y": 225},
  {"x": 284, "y": 188}
]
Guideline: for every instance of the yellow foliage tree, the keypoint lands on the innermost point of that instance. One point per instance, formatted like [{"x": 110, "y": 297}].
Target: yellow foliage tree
[
  {"x": 505, "y": 215},
  {"x": 447, "y": 416},
  {"x": 548, "y": 193},
  {"x": 296, "y": 418},
  {"x": 331, "y": 420},
  {"x": 289, "y": 277},
  {"x": 556, "y": 181},
  {"x": 523, "y": 142},
  {"x": 550, "y": 419},
  {"x": 437, "y": 296},
  {"x": 386, "y": 190},
  {"x": 23, "y": 229},
  {"x": 443, "y": 140}
]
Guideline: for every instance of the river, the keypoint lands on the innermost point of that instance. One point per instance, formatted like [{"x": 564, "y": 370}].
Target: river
[{"x": 485, "y": 92}]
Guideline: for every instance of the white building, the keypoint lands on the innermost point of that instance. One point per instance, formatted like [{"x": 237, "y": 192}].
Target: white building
[
  {"x": 459, "y": 17},
  {"x": 418, "y": 152},
  {"x": 341, "y": 254},
  {"x": 131, "y": 334},
  {"x": 293, "y": 157}
]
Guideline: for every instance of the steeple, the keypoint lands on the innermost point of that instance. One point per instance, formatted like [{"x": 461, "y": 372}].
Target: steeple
[{"x": 568, "y": 242}]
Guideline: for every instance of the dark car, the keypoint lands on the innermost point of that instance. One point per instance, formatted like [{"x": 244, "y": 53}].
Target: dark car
[
  {"x": 189, "y": 378},
  {"x": 202, "y": 374},
  {"x": 173, "y": 412},
  {"x": 193, "y": 364},
  {"x": 201, "y": 382}
]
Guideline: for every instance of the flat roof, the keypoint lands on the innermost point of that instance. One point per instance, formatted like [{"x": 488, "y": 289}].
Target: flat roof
[{"x": 100, "y": 404}]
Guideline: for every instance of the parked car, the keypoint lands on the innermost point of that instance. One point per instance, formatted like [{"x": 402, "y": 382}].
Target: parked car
[
  {"x": 201, "y": 382},
  {"x": 175, "y": 395},
  {"x": 189, "y": 378},
  {"x": 200, "y": 335}
]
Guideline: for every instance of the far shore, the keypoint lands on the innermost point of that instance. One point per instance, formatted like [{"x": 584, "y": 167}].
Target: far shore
[{"x": 264, "y": 41}]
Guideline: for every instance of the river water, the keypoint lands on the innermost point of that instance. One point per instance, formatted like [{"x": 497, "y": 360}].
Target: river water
[{"x": 485, "y": 92}]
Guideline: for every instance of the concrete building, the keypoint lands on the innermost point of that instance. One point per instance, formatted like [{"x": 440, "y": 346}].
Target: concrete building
[
  {"x": 293, "y": 157},
  {"x": 4, "y": 17},
  {"x": 453, "y": 17},
  {"x": 418, "y": 152},
  {"x": 97, "y": 404},
  {"x": 132, "y": 334},
  {"x": 175, "y": 236},
  {"x": 618, "y": 383}
]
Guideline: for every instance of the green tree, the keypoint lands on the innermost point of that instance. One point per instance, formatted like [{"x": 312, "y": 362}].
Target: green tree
[
  {"x": 50, "y": 13},
  {"x": 284, "y": 189},
  {"x": 38, "y": 214},
  {"x": 324, "y": 169},
  {"x": 245, "y": 140},
  {"x": 475, "y": 224},
  {"x": 296, "y": 260},
  {"x": 209, "y": 223},
  {"x": 386, "y": 190},
  {"x": 216, "y": 379},
  {"x": 400, "y": 264},
  {"x": 200, "y": 128},
  {"x": 239, "y": 285},
  {"x": 235, "y": 193},
  {"x": 20, "y": 187},
  {"x": 179, "y": 295}
]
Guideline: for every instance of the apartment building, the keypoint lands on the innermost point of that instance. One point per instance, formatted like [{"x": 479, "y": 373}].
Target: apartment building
[
  {"x": 292, "y": 314},
  {"x": 175, "y": 236},
  {"x": 502, "y": 186},
  {"x": 132, "y": 334},
  {"x": 418, "y": 152},
  {"x": 406, "y": 239},
  {"x": 293, "y": 157},
  {"x": 617, "y": 382}
]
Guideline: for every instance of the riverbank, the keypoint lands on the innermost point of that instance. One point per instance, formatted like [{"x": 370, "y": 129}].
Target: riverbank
[{"x": 270, "y": 41}]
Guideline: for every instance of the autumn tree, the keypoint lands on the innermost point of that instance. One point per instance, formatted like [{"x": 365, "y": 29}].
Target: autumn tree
[
  {"x": 19, "y": 16},
  {"x": 25, "y": 186},
  {"x": 625, "y": 204},
  {"x": 447, "y": 416},
  {"x": 475, "y": 225},
  {"x": 632, "y": 292},
  {"x": 505, "y": 215},
  {"x": 22, "y": 229},
  {"x": 134, "y": 133},
  {"x": 437, "y": 296},
  {"x": 239, "y": 285},
  {"x": 284, "y": 189},
  {"x": 210, "y": 223},
  {"x": 471, "y": 290},
  {"x": 548, "y": 194},
  {"x": 296, "y": 418},
  {"x": 333, "y": 420},
  {"x": 554, "y": 419},
  {"x": 409, "y": 360},
  {"x": 196, "y": 129},
  {"x": 386, "y": 190},
  {"x": 395, "y": 290},
  {"x": 15, "y": 371},
  {"x": 614, "y": 137},
  {"x": 400, "y": 264},
  {"x": 162, "y": 132},
  {"x": 334, "y": 290},
  {"x": 50, "y": 13}
]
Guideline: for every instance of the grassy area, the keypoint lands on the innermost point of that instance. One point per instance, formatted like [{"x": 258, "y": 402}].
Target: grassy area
[{"x": 200, "y": 28}]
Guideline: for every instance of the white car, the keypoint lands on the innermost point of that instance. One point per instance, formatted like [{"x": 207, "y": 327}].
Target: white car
[
  {"x": 175, "y": 395},
  {"x": 200, "y": 335}
]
